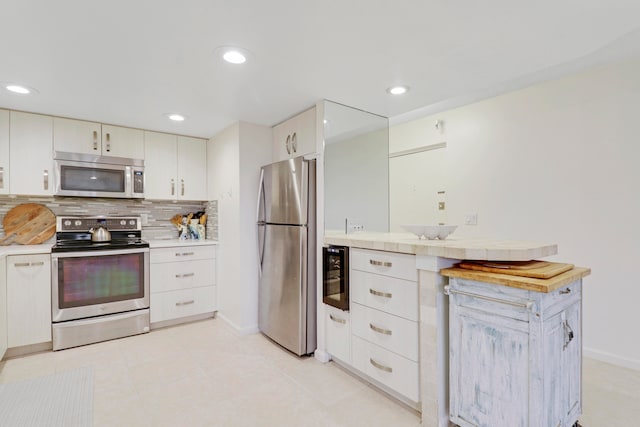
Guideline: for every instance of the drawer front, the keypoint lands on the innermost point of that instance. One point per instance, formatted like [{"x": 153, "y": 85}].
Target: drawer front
[
  {"x": 188, "y": 302},
  {"x": 402, "y": 266},
  {"x": 388, "y": 368},
  {"x": 338, "y": 333},
  {"x": 391, "y": 295},
  {"x": 173, "y": 276},
  {"x": 182, "y": 253},
  {"x": 390, "y": 332}
]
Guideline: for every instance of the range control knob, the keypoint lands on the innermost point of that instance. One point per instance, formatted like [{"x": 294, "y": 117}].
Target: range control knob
[
  {"x": 67, "y": 222},
  {"x": 132, "y": 222},
  {"x": 78, "y": 223},
  {"x": 123, "y": 222}
]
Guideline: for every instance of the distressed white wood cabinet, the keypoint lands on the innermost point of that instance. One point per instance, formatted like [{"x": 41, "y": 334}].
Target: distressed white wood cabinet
[
  {"x": 515, "y": 355},
  {"x": 29, "y": 299},
  {"x": 183, "y": 283}
]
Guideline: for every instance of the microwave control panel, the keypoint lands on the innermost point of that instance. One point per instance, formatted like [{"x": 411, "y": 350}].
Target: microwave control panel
[{"x": 138, "y": 181}]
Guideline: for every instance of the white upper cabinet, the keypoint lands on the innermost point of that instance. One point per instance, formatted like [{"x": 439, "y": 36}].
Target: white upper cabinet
[
  {"x": 296, "y": 136},
  {"x": 4, "y": 152},
  {"x": 192, "y": 168},
  {"x": 77, "y": 136},
  {"x": 31, "y": 154},
  {"x": 175, "y": 167},
  {"x": 122, "y": 142}
]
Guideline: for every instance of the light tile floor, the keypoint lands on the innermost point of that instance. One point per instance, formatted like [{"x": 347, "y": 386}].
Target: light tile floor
[{"x": 203, "y": 374}]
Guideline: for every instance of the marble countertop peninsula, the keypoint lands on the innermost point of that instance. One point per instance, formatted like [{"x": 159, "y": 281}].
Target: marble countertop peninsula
[{"x": 452, "y": 247}]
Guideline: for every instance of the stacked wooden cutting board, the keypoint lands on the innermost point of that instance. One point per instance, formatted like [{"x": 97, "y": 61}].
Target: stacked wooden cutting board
[
  {"x": 538, "y": 276},
  {"x": 28, "y": 224}
]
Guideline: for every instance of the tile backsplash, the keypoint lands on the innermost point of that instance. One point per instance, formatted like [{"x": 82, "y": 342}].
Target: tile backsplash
[{"x": 159, "y": 213}]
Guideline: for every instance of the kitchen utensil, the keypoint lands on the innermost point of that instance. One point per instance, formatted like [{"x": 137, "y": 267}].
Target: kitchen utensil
[
  {"x": 538, "y": 270},
  {"x": 177, "y": 221},
  {"x": 28, "y": 224},
  {"x": 203, "y": 219},
  {"x": 100, "y": 235}
]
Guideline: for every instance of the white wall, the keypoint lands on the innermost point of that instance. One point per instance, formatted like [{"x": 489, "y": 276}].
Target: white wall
[
  {"x": 356, "y": 182},
  {"x": 234, "y": 158},
  {"x": 556, "y": 162}
]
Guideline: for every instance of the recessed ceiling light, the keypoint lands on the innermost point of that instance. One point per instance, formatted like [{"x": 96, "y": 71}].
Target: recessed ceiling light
[
  {"x": 233, "y": 54},
  {"x": 19, "y": 89},
  {"x": 176, "y": 117},
  {"x": 398, "y": 90},
  {"x": 234, "y": 57}
]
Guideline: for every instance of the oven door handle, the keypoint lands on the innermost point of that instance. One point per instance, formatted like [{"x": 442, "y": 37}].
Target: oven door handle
[{"x": 92, "y": 253}]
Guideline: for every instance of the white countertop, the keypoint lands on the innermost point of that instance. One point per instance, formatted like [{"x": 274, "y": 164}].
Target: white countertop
[
  {"x": 172, "y": 243},
  {"x": 451, "y": 247},
  {"x": 45, "y": 248}
]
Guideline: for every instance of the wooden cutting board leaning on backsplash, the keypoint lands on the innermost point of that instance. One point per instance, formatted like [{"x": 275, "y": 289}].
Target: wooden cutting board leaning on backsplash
[
  {"x": 28, "y": 224},
  {"x": 535, "y": 269}
]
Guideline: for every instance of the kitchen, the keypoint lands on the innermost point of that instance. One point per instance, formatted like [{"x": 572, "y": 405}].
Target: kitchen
[{"x": 560, "y": 140}]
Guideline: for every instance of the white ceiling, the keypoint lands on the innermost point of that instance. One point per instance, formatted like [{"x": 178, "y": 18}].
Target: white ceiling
[{"x": 130, "y": 62}]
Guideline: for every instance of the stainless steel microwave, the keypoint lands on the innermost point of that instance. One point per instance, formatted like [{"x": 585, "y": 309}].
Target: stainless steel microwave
[{"x": 89, "y": 175}]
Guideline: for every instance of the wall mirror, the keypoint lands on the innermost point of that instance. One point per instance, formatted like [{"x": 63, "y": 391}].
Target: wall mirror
[{"x": 356, "y": 170}]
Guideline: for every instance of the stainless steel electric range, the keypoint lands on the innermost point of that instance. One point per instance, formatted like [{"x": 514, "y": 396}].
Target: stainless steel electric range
[{"x": 100, "y": 290}]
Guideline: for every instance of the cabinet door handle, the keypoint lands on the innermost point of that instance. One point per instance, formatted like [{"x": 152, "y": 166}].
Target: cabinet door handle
[
  {"x": 182, "y": 187},
  {"x": 178, "y": 276},
  {"x": 28, "y": 264},
  {"x": 380, "y": 330},
  {"x": 178, "y": 304},
  {"x": 1, "y": 177},
  {"x": 337, "y": 319},
  {"x": 380, "y": 294},
  {"x": 108, "y": 142},
  {"x": 173, "y": 187},
  {"x": 45, "y": 177},
  {"x": 568, "y": 334},
  {"x": 294, "y": 143},
  {"x": 380, "y": 263},
  {"x": 380, "y": 366},
  {"x": 184, "y": 253},
  {"x": 287, "y": 144},
  {"x": 95, "y": 140}
]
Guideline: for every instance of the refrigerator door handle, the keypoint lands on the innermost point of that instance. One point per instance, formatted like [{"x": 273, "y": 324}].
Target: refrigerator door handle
[{"x": 261, "y": 229}]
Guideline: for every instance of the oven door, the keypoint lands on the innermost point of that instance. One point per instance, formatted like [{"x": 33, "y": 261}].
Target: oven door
[{"x": 92, "y": 283}]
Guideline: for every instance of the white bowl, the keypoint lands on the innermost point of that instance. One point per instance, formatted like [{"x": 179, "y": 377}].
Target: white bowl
[
  {"x": 416, "y": 229},
  {"x": 431, "y": 231},
  {"x": 445, "y": 230}
]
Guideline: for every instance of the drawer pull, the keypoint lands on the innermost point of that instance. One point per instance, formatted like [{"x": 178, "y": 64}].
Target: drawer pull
[
  {"x": 28, "y": 264},
  {"x": 380, "y": 366},
  {"x": 184, "y": 253},
  {"x": 178, "y": 276},
  {"x": 380, "y": 294},
  {"x": 380, "y": 330},
  {"x": 185, "y": 302},
  {"x": 565, "y": 291},
  {"x": 337, "y": 320},
  {"x": 380, "y": 263}
]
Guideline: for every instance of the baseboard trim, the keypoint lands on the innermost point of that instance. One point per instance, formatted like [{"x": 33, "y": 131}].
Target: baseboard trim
[
  {"x": 603, "y": 356},
  {"x": 247, "y": 330}
]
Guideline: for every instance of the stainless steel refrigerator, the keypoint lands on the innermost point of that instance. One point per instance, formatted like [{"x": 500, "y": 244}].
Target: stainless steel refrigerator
[{"x": 287, "y": 254}]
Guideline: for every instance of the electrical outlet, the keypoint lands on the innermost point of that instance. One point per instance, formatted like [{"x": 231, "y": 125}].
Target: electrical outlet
[
  {"x": 144, "y": 219},
  {"x": 471, "y": 219}
]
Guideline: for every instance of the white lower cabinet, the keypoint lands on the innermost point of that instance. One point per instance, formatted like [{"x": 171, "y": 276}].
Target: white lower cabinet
[
  {"x": 29, "y": 291},
  {"x": 515, "y": 355},
  {"x": 183, "y": 282},
  {"x": 382, "y": 324},
  {"x": 396, "y": 372},
  {"x": 338, "y": 333}
]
